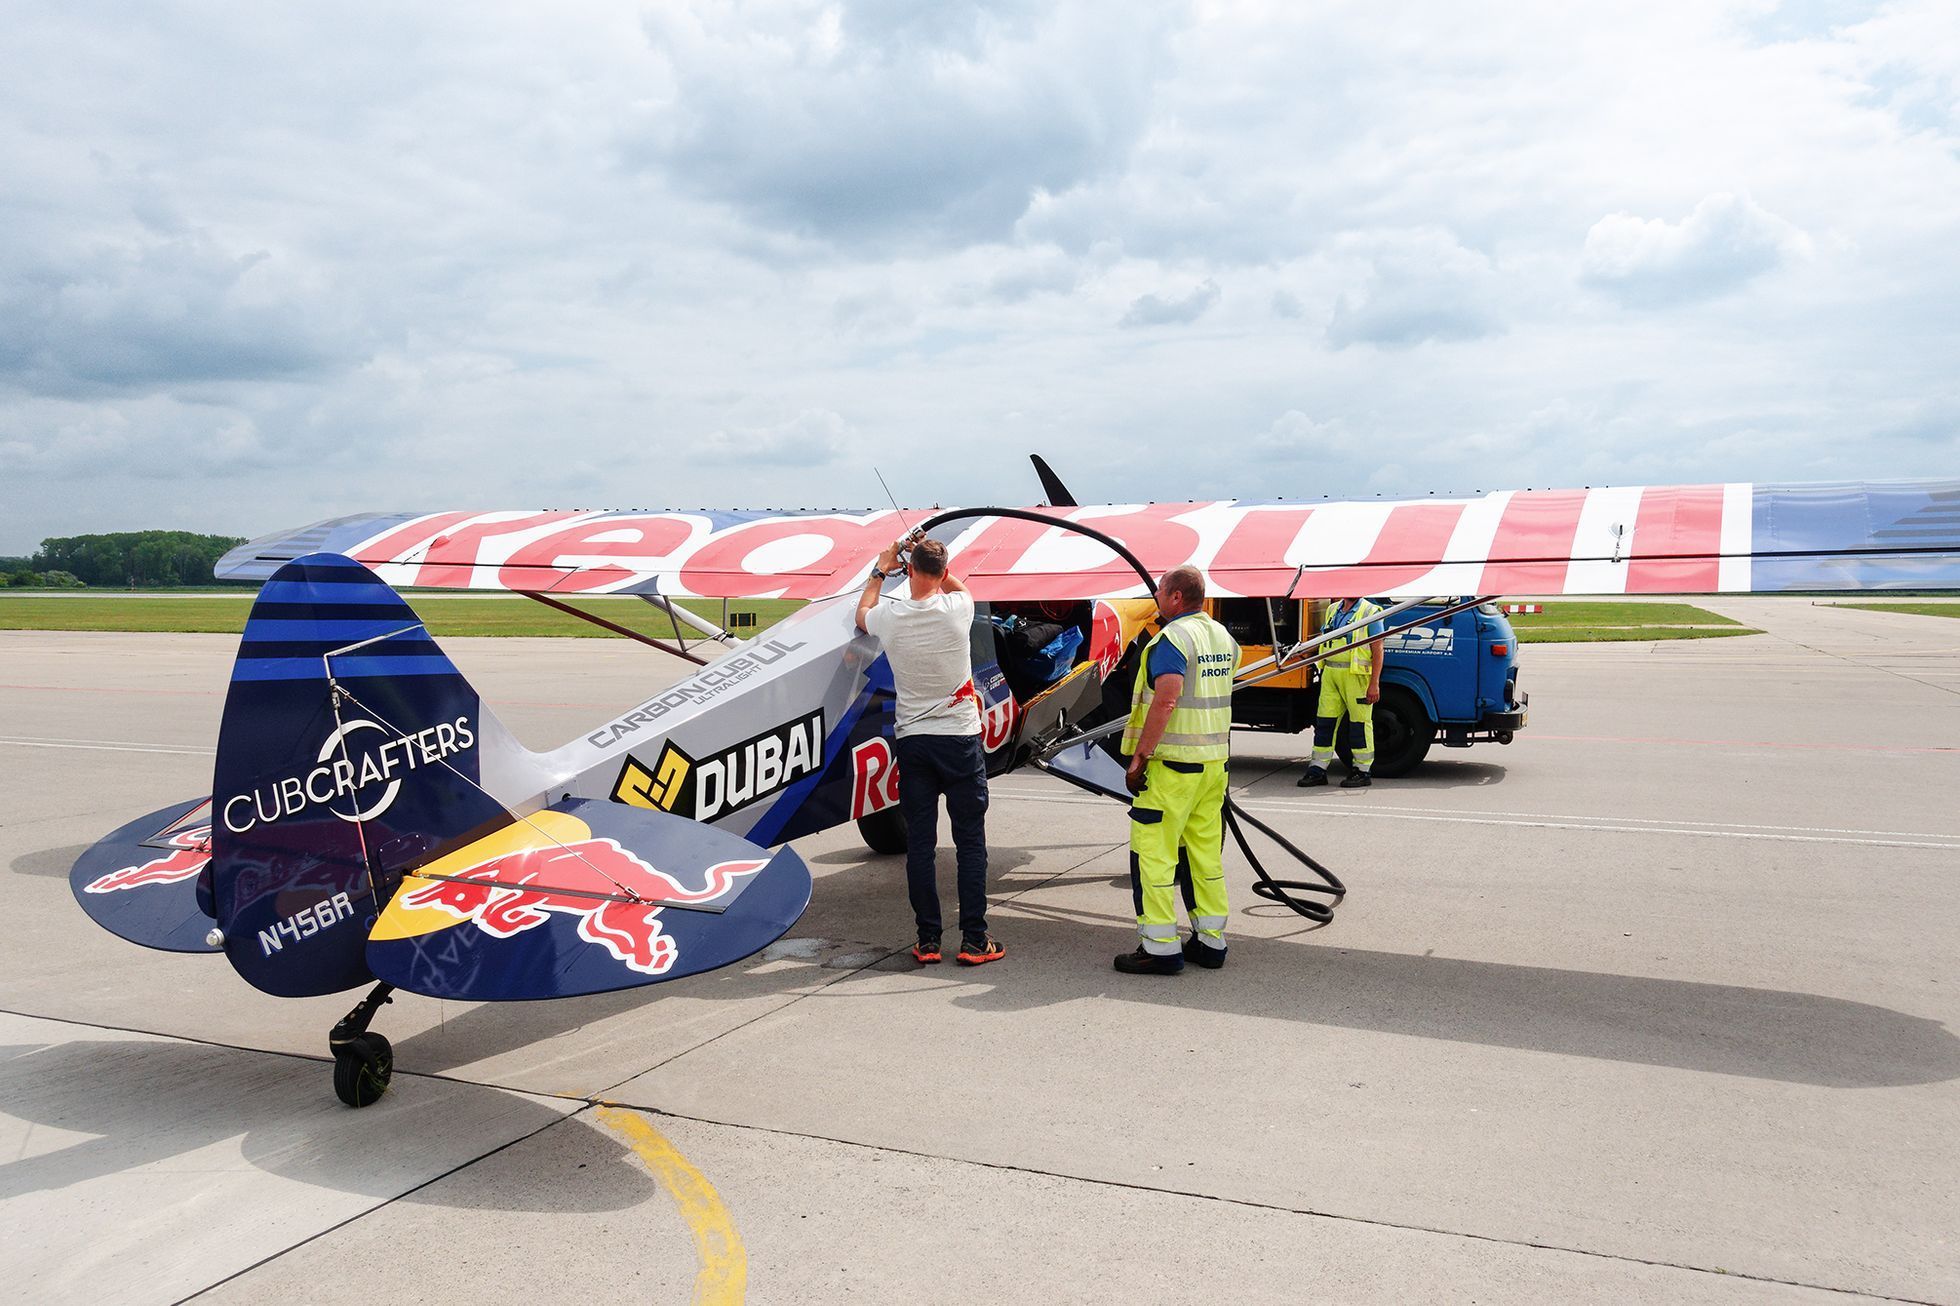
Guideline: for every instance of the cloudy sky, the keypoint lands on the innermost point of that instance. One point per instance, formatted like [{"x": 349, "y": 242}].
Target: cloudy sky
[{"x": 260, "y": 270}]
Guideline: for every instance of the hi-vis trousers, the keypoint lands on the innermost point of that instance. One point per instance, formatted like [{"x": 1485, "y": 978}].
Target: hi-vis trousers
[
  {"x": 1181, "y": 808},
  {"x": 1344, "y": 693}
]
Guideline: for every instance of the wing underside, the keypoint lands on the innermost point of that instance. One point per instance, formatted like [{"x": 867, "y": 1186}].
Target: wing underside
[{"x": 1735, "y": 537}]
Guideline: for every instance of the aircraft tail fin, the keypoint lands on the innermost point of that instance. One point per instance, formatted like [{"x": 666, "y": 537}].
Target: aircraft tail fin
[{"x": 351, "y": 747}]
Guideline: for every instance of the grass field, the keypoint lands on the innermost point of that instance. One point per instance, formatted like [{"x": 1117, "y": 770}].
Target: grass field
[
  {"x": 1948, "y": 609},
  {"x": 446, "y": 614},
  {"x": 1595, "y": 621}
]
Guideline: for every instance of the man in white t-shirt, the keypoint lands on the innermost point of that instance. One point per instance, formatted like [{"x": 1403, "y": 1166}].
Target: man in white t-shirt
[{"x": 927, "y": 634}]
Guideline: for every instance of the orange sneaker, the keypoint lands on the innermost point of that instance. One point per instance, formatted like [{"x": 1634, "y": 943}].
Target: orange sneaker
[
  {"x": 926, "y": 952},
  {"x": 978, "y": 952}
]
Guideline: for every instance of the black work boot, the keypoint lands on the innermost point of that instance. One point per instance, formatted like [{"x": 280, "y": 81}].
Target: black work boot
[
  {"x": 1316, "y": 775},
  {"x": 1203, "y": 954},
  {"x": 1149, "y": 963},
  {"x": 1356, "y": 780}
]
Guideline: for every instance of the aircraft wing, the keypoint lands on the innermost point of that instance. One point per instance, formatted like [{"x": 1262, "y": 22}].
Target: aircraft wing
[{"x": 1735, "y": 537}]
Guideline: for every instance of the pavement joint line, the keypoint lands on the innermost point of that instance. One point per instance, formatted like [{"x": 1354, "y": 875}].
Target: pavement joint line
[
  {"x": 1849, "y": 660},
  {"x": 103, "y": 746},
  {"x": 1589, "y": 824},
  {"x": 390, "y": 1201},
  {"x": 1308, "y": 1212}
]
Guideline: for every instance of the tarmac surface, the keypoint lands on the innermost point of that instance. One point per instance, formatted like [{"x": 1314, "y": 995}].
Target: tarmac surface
[{"x": 1657, "y": 1003}]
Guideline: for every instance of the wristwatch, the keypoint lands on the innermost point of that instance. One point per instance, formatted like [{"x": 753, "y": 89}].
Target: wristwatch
[{"x": 878, "y": 573}]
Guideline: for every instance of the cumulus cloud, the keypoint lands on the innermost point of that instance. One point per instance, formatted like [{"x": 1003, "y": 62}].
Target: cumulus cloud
[
  {"x": 810, "y": 439},
  {"x": 1296, "y": 437},
  {"x": 897, "y": 123},
  {"x": 154, "y": 313},
  {"x": 1726, "y": 242},
  {"x": 1175, "y": 310},
  {"x": 1416, "y": 286}
]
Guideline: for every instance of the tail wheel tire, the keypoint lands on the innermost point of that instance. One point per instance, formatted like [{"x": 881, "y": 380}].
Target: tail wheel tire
[
  {"x": 883, "y": 832},
  {"x": 1403, "y": 733},
  {"x": 362, "y": 1067}
]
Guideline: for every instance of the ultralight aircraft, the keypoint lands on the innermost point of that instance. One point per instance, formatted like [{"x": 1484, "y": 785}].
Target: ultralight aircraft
[{"x": 371, "y": 821}]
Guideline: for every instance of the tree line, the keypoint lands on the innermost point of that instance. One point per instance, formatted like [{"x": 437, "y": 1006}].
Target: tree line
[{"x": 120, "y": 560}]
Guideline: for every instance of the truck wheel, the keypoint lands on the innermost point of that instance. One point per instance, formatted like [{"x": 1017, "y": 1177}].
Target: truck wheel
[
  {"x": 1403, "y": 733},
  {"x": 883, "y": 832}
]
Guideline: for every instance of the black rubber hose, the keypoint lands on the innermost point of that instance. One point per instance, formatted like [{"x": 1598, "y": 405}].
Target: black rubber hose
[
  {"x": 1282, "y": 891},
  {"x": 1269, "y": 888}
]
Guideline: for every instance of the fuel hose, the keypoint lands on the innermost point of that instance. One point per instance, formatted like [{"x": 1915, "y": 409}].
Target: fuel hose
[{"x": 1284, "y": 892}]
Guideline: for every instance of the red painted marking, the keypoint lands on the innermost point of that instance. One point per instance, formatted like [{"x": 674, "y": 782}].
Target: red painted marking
[
  {"x": 656, "y": 538},
  {"x": 403, "y": 538},
  {"x": 454, "y": 554},
  {"x": 1533, "y": 545},
  {"x": 1000, "y": 551},
  {"x": 1677, "y": 541},
  {"x": 1253, "y": 557},
  {"x": 1410, "y": 545},
  {"x": 720, "y": 566}
]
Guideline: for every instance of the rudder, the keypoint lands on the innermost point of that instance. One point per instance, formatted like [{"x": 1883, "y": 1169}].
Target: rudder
[{"x": 351, "y": 747}]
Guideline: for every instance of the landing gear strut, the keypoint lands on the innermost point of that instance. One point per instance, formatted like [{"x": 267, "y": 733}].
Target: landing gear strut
[{"x": 362, "y": 1062}]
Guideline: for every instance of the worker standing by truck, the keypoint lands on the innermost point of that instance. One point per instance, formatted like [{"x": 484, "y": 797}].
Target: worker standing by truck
[{"x": 1350, "y": 686}]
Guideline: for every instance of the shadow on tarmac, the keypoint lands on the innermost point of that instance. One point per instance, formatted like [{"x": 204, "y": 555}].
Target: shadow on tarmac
[
  {"x": 50, "y": 862},
  {"x": 1768, "y": 1034},
  {"x": 1772, "y": 1034},
  {"x": 146, "y": 1103},
  {"x": 1274, "y": 776}
]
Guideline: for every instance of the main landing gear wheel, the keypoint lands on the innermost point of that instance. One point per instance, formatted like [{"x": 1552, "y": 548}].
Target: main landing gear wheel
[
  {"x": 363, "y": 1063},
  {"x": 884, "y": 831},
  {"x": 362, "y": 1067}
]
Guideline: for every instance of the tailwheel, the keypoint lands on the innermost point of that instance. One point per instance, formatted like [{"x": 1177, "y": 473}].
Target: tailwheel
[
  {"x": 362, "y": 1067},
  {"x": 363, "y": 1063}
]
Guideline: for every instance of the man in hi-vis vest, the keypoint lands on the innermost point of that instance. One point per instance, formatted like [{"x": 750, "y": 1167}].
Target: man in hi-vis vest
[
  {"x": 1350, "y": 686},
  {"x": 1178, "y": 739}
]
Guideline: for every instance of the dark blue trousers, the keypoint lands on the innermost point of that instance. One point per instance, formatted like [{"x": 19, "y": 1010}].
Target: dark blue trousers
[{"x": 954, "y": 766}]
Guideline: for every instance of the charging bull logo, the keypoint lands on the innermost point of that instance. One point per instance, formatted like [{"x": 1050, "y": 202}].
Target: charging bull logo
[
  {"x": 190, "y": 849},
  {"x": 590, "y": 879}
]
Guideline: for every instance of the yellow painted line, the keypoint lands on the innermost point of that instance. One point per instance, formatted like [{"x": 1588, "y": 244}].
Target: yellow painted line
[{"x": 723, "y": 1278}]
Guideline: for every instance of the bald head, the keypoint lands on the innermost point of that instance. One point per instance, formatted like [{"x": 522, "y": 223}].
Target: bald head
[{"x": 1182, "y": 590}]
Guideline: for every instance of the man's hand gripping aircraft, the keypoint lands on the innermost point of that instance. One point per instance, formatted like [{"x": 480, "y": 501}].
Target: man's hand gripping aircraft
[{"x": 371, "y": 822}]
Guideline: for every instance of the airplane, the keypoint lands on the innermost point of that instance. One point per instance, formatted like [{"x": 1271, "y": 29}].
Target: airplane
[{"x": 371, "y": 821}]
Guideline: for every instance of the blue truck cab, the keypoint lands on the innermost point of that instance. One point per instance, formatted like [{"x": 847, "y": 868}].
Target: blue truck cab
[{"x": 1451, "y": 678}]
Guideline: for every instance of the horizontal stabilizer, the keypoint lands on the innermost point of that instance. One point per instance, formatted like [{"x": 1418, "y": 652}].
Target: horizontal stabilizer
[
  {"x": 585, "y": 896},
  {"x": 141, "y": 883}
]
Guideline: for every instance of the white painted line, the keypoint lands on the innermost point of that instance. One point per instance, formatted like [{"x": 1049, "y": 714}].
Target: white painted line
[
  {"x": 104, "y": 746},
  {"x": 1604, "y": 825}
]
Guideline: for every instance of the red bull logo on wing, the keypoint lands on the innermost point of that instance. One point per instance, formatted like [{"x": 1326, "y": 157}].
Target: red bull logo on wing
[
  {"x": 190, "y": 850},
  {"x": 518, "y": 891}
]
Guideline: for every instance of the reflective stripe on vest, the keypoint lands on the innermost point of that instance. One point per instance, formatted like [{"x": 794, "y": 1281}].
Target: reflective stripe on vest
[
  {"x": 1200, "y": 726},
  {"x": 1353, "y": 652}
]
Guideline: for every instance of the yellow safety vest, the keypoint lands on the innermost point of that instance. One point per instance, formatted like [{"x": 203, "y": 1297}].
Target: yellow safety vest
[
  {"x": 1353, "y": 652},
  {"x": 1200, "y": 726}
]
